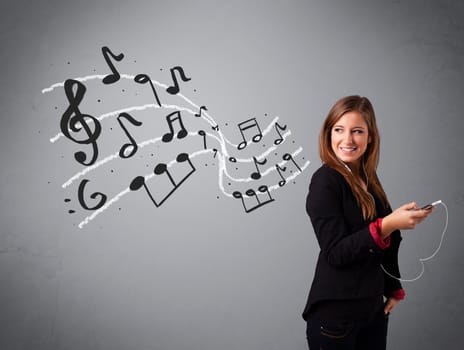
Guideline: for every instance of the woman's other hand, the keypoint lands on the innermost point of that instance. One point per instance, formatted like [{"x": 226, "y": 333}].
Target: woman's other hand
[{"x": 390, "y": 305}]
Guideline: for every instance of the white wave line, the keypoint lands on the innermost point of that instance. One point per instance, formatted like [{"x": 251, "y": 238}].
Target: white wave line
[
  {"x": 127, "y": 190},
  {"x": 104, "y": 161},
  {"x": 153, "y": 141},
  {"x": 305, "y": 165},
  {"x": 267, "y": 171},
  {"x": 271, "y": 188},
  {"x": 129, "y": 109},
  {"x": 104, "y": 207}
]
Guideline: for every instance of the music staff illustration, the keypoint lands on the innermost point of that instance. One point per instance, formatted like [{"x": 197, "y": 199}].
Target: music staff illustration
[{"x": 173, "y": 174}]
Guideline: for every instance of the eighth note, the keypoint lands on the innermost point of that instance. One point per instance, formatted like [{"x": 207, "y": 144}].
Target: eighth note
[
  {"x": 114, "y": 76},
  {"x": 251, "y": 193},
  {"x": 171, "y": 118},
  {"x": 279, "y": 170},
  {"x": 282, "y": 128},
  {"x": 132, "y": 144},
  {"x": 247, "y": 124},
  {"x": 175, "y": 89},
  {"x": 161, "y": 169},
  {"x": 257, "y": 175},
  {"x": 202, "y": 108}
]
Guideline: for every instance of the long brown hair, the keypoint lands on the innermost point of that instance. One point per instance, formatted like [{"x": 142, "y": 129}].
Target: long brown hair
[{"x": 370, "y": 158}]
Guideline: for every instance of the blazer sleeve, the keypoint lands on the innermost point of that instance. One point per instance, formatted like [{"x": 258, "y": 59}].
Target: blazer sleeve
[
  {"x": 390, "y": 264},
  {"x": 324, "y": 205}
]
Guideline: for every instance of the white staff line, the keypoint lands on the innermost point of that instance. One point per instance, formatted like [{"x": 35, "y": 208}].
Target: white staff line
[
  {"x": 151, "y": 175},
  {"x": 267, "y": 171},
  {"x": 126, "y": 191},
  {"x": 126, "y": 110},
  {"x": 153, "y": 141}
]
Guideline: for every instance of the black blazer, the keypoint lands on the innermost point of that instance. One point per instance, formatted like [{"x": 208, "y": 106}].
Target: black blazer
[{"x": 348, "y": 266}]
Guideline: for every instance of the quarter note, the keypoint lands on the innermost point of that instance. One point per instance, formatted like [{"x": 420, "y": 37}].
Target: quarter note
[
  {"x": 73, "y": 121},
  {"x": 160, "y": 169},
  {"x": 202, "y": 108},
  {"x": 257, "y": 175},
  {"x": 244, "y": 126},
  {"x": 281, "y": 128},
  {"x": 132, "y": 145},
  {"x": 252, "y": 193},
  {"x": 143, "y": 79},
  {"x": 171, "y": 118},
  {"x": 287, "y": 157},
  {"x": 114, "y": 76},
  {"x": 80, "y": 195},
  {"x": 203, "y": 134},
  {"x": 175, "y": 88}
]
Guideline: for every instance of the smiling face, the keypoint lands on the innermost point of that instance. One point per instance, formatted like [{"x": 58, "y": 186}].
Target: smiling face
[{"x": 350, "y": 138}]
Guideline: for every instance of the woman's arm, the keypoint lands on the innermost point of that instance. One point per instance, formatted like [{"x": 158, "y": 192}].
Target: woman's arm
[{"x": 326, "y": 209}]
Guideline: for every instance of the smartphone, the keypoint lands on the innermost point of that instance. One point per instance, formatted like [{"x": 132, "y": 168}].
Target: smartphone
[{"x": 430, "y": 205}]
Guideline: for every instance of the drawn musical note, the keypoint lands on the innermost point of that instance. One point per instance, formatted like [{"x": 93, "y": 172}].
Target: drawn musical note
[
  {"x": 80, "y": 195},
  {"x": 203, "y": 134},
  {"x": 74, "y": 121},
  {"x": 247, "y": 124},
  {"x": 257, "y": 175},
  {"x": 114, "y": 76},
  {"x": 251, "y": 193},
  {"x": 160, "y": 169},
  {"x": 282, "y": 128},
  {"x": 171, "y": 118},
  {"x": 143, "y": 79},
  {"x": 132, "y": 145},
  {"x": 287, "y": 157},
  {"x": 232, "y": 159},
  {"x": 279, "y": 170},
  {"x": 175, "y": 89},
  {"x": 202, "y": 108},
  {"x": 215, "y": 152}
]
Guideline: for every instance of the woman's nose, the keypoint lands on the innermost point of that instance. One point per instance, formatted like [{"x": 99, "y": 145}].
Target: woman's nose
[{"x": 348, "y": 137}]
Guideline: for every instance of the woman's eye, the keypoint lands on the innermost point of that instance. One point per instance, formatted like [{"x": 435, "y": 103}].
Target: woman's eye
[
  {"x": 358, "y": 131},
  {"x": 337, "y": 129}
]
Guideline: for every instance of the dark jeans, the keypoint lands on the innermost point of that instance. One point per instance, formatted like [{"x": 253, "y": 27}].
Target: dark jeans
[{"x": 355, "y": 335}]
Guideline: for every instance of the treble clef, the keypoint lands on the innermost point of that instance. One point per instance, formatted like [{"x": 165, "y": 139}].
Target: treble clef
[{"x": 73, "y": 122}]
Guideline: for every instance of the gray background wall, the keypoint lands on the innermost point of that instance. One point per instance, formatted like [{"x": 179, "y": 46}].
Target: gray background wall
[{"x": 198, "y": 272}]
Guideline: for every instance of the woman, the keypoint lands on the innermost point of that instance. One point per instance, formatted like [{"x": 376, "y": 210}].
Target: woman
[{"x": 357, "y": 232}]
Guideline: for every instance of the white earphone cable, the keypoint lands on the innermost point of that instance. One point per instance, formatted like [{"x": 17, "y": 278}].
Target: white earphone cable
[{"x": 424, "y": 259}]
